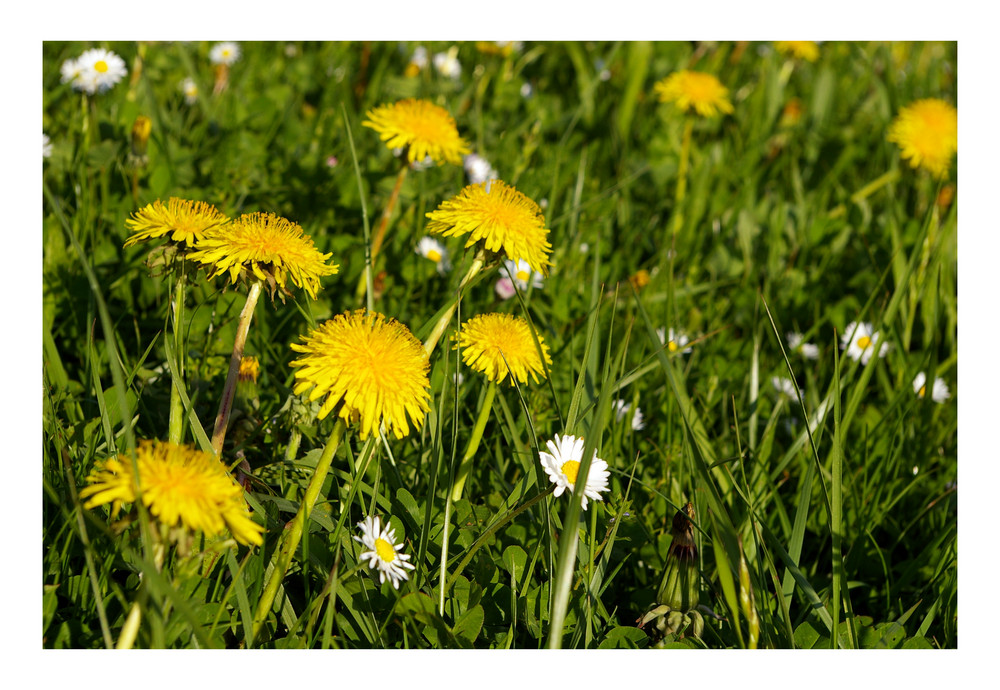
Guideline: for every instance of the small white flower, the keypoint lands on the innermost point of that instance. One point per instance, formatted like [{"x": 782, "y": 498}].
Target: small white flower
[
  {"x": 562, "y": 462},
  {"x": 46, "y": 146},
  {"x": 225, "y": 53},
  {"x": 584, "y": 247},
  {"x": 189, "y": 89},
  {"x": 95, "y": 71},
  {"x": 430, "y": 248},
  {"x": 939, "y": 392},
  {"x": 860, "y": 341},
  {"x": 515, "y": 46},
  {"x": 420, "y": 166},
  {"x": 527, "y": 90},
  {"x": 458, "y": 379},
  {"x": 807, "y": 350},
  {"x": 603, "y": 73},
  {"x": 675, "y": 342},
  {"x": 384, "y": 552},
  {"x": 479, "y": 169},
  {"x": 622, "y": 408},
  {"x": 505, "y": 288},
  {"x": 521, "y": 273},
  {"x": 785, "y": 386},
  {"x": 419, "y": 58},
  {"x": 447, "y": 64}
]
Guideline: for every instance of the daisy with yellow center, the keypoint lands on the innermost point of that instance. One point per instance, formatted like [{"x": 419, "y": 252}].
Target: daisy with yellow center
[
  {"x": 675, "y": 342},
  {"x": 562, "y": 464},
  {"x": 927, "y": 132},
  {"x": 939, "y": 392},
  {"x": 178, "y": 484},
  {"x": 430, "y": 248},
  {"x": 384, "y": 553},
  {"x": 802, "y": 50},
  {"x": 266, "y": 247},
  {"x": 522, "y": 275},
  {"x": 698, "y": 91},
  {"x": 860, "y": 341},
  {"x": 420, "y": 127},
  {"x": 499, "y": 216},
  {"x": 183, "y": 221},
  {"x": 502, "y": 344},
  {"x": 372, "y": 370}
]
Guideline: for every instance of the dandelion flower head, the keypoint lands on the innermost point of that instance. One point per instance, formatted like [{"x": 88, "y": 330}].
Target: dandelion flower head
[
  {"x": 803, "y": 50},
  {"x": 927, "y": 133},
  {"x": 420, "y": 127},
  {"x": 384, "y": 553},
  {"x": 249, "y": 369},
  {"x": 225, "y": 53},
  {"x": 267, "y": 247},
  {"x": 184, "y": 221},
  {"x": 499, "y": 216},
  {"x": 860, "y": 341},
  {"x": 373, "y": 368},
  {"x": 939, "y": 392},
  {"x": 562, "y": 463},
  {"x": 699, "y": 91},
  {"x": 178, "y": 484},
  {"x": 501, "y": 344}
]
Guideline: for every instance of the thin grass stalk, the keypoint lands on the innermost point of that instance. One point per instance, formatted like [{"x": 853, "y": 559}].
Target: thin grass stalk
[
  {"x": 226, "y": 405},
  {"x": 380, "y": 232},
  {"x": 477, "y": 434},
  {"x": 442, "y": 323},
  {"x": 175, "y": 432},
  {"x": 682, "y": 170}
]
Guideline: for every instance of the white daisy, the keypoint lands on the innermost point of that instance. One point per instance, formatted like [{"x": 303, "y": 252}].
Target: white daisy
[
  {"x": 95, "y": 71},
  {"x": 675, "y": 342},
  {"x": 939, "y": 392},
  {"x": 225, "y": 53},
  {"x": 419, "y": 58},
  {"x": 190, "y": 90},
  {"x": 562, "y": 462},
  {"x": 521, "y": 273},
  {"x": 46, "y": 146},
  {"x": 430, "y": 248},
  {"x": 420, "y": 166},
  {"x": 447, "y": 64},
  {"x": 69, "y": 71},
  {"x": 807, "y": 350},
  {"x": 384, "y": 554},
  {"x": 515, "y": 46},
  {"x": 622, "y": 408},
  {"x": 479, "y": 169},
  {"x": 860, "y": 341},
  {"x": 505, "y": 288},
  {"x": 527, "y": 90},
  {"x": 785, "y": 386}
]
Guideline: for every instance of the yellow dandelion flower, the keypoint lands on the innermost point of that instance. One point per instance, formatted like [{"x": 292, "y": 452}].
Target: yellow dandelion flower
[
  {"x": 420, "y": 127},
  {"x": 267, "y": 247},
  {"x": 185, "y": 221},
  {"x": 802, "y": 50},
  {"x": 374, "y": 368},
  {"x": 498, "y": 344},
  {"x": 249, "y": 369},
  {"x": 927, "y": 132},
  {"x": 177, "y": 483},
  {"x": 698, "y": 90},
  {"x": 499, "y": 215}
]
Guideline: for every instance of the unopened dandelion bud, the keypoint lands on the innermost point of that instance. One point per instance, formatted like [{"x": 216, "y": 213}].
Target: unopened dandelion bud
[
  {"x": 246, "y": 380},
  {"x": 141, "y": 129},
  {"x": 679, "y": 585}
]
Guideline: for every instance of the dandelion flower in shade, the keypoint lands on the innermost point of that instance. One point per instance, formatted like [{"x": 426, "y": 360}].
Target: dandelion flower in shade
[
  {"x": 267, "y": 247},
  {"x": 225, "y": 53},
  {"x": 699, "y": 91},
  {"x": 675, "y": 342},
  {"x": 499, "y": 216},
  {"x": 249, "y": 369},
  {"x": 622, "y": 408},
  {"x": 179, "y": 484},
  {"x": 498, "y": 344},
  {"x": 420, "y": 127},
  {"x": 190, "y": 90},
  {"x": 861, "y": 341},
  {"x": 430, "y": 248},
  {"x": 447, "y": 64},
  {"x": 374, "y": 369},
  {"x": 522, "y": 274},
  {"x": 939, "y": 392},
  {"x": 182, "y": 220},
  {"x": 785, "y": 386},
  {"x": 478, "y": 169},
  {"x": 807, "y": 350},
  {"x": 46, "y": 146},
  {"x": 803, "y": 50},
  {"x": 562, "y": 463},
  {"x": 927, "y": 132},
  {"x": 383, "y": 554}
]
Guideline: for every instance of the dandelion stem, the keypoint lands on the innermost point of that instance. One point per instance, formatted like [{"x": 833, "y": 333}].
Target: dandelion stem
[
  {"x": 176, "y": 428},
  {"x": 442, "y": 324},
  {"x": 477, "y": 435},
  {"x": 866, "y": 191},
  {"x": 293, "y": 530},
  {"x": 226, "y": 406},
  {"x": 682, "y": 170},
  {"x": 380, "y": 231},
  {"x": 131, "y": 628}
]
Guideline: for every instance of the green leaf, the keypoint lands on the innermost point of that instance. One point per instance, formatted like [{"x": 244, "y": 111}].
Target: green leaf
[
  {"x": 624, "y": 637},
  {"x": 468, "y": 626}
]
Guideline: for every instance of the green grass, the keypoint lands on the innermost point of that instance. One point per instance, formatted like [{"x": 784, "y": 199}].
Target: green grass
[{"x": 846, "y": 524}]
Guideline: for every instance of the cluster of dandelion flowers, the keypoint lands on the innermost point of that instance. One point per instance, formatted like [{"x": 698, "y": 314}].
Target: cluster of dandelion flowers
[
  {"x": 373, "y": 367},
  {"x": 177, "y": 483},
  {"x": 498, "y": 344},
  {"x": 927, "y": 133},
  {"x": 420, "y": 127},
  {"x": 699, "y": 91},
  {"x": 562, "y": 464},
  {"x": 501, "y": 217},
  {"x": 266, "y": 247},
  {"x": 383, "y": 554},
  {"x": 185, "y": 222}
]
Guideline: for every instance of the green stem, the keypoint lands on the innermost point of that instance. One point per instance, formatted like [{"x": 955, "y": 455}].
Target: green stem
[
  {"x": 477, "y": 434},
  {"x": 682, "y": 170},
  {"x": 226, "y": 405},
  {"x": 442, "y": 324},
  {"x": 866, "y": 191},
  {"x": 293, "y": 530},
  {"x": 176, "y": 428},
  {"x": 383, "y": 225}
]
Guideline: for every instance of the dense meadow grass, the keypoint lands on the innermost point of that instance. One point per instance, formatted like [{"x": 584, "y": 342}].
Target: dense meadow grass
[{"x": 823, "y": 513}]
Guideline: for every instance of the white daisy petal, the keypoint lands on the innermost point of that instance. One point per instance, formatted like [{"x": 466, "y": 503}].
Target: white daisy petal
[{"x": 562, "y": 462}]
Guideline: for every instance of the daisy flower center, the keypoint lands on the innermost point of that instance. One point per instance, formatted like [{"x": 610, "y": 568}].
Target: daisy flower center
[
  {"x": 385, "y": 550},
  {"x": 923, "y": 389},
  {"x": 864, "y": 342},
  {"x": 434, "y": 255},
  {"x": 672, "y": 346},
  {"x": 570, "y": 469},
  {"x": 101, "y": 66},
  {"x": 523, "y": 275}
]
